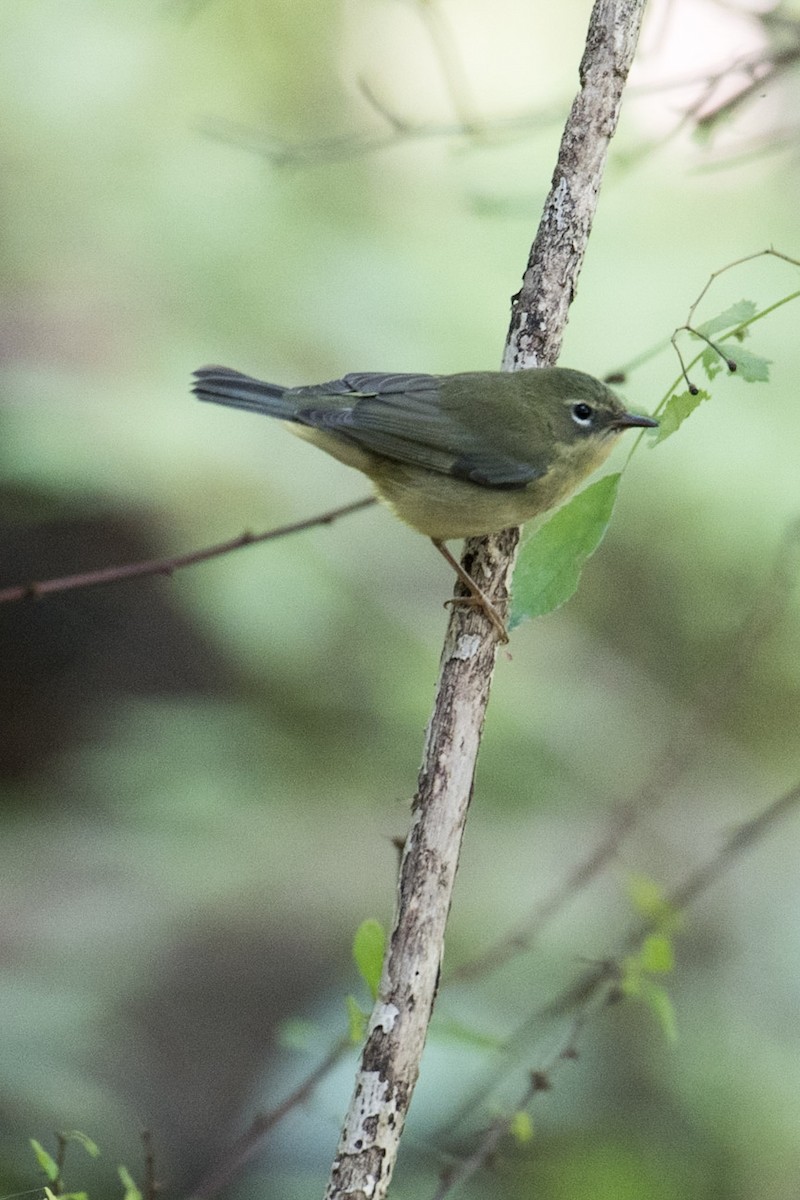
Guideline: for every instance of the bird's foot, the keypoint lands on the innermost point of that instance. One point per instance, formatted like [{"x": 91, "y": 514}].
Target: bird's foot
[{"x": 479, "y": 599}]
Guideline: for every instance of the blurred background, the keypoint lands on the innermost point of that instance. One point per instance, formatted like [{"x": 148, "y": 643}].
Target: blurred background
[{"x": 202, "y": 777}]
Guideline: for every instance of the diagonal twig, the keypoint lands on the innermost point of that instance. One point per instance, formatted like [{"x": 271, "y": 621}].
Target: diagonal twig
[{"x": 171, "y": 563}]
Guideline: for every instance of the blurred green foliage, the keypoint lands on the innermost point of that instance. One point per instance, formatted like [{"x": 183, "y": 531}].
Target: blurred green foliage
[{"x": 202, "y": 777}]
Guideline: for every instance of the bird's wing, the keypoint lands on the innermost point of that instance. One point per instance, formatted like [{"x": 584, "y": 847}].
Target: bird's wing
[{"x": 400, "y": 417}]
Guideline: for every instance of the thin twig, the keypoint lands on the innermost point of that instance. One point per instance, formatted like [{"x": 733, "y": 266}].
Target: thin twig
[
  {"x": 452, "y": 68},
  {"x": 349, "y": 146},
  {"x": 690, "y": 327},
  {"x": 686, "y": 743},
  {"x": 166, "y": 566},
  {"x": 540, "y": 1080},
  {"x": 151, "y": 1185},
  {"x": 596, "y": 987},
  {"x": 693, "y": 886},
  {"x": 484, "y": 131},
  {"x": 738, "y": 262},
  {"x": 248, "y": 1145}
]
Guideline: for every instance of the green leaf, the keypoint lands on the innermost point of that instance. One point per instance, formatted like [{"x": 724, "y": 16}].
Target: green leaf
[
  {"x": 552, "y": 559},
  {"x": 712, "y": 362},
  {"x": 75, "y": 1135},
  {"x": 647, "y": 896},
  {"x": 131, "y": 1190},
  {"x": 521, "y": 1127},
  {"x": 657, "y": 955},
  {"x": 658, "y": 1001},
  {"x": 750, "y": 367},
  {"x": 679, "y": 406},
  {"x": 356, "y": 1021},
  {"x": 649, "y": 900},
  {"x": 47, "y": 1163},
  {"x": 369, "y": 945},
  {"x": 630, "y": 981},
  {"x": 737, "y": 314}
]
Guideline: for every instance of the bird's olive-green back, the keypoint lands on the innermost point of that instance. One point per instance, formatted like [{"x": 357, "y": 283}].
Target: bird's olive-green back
[{"x": 492, "y": 428}]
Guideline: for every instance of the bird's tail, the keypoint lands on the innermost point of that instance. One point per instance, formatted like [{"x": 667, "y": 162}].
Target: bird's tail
[{"x": 224, "y": 386}]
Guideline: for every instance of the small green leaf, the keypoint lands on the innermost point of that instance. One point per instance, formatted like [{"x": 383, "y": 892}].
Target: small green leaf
[
  {"x": 131, "y": 1190},
  {"x": 712, "y": 362},
  {"x": 552, "y": 559},
  {"x": 356, "y": 1021},
  {"x": 75, "y": 1135},
  {"x": 369, "y": 945},
  {"x": 657, "y": 955},
  {"x": 630, "y": 981},
  {"x": 649, "y": 900},
  {"x": 658, "y": 1000},
  {"x": 737, "y": 314},
  {"x": 46, "y": 1162},
  {"x": 646, "y": 896},
  {"x": 521, "y": 1127},
  {"x": 750, "y": 367},
  {"x": 679, "y": 406}
]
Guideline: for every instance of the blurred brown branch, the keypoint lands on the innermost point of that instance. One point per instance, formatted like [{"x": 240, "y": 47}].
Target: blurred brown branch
[
  {"x": 597, "y": 987},
  {"x": 684, "y": 746},
  {"x": 250, "y": 1142},
  {"x": 704, "y": 115},
  {"x": 173, "y": 562}
]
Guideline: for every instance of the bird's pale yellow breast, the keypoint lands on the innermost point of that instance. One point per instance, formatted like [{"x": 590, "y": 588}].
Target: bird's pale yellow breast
[{"x": 444, "y": 508}]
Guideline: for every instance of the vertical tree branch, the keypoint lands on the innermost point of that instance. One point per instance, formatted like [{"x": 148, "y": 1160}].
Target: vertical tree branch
[{"x": 389, "y": 1066}]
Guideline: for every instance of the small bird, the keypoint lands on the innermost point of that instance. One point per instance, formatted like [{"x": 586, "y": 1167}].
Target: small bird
[{"x": 452, "y": 455}]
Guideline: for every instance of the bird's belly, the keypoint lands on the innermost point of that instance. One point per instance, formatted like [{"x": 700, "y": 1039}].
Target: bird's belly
[{"x": 445, "y": 508}]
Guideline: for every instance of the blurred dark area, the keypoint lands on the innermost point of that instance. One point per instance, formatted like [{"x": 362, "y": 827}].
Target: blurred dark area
[{"x": 68, "y": 659}]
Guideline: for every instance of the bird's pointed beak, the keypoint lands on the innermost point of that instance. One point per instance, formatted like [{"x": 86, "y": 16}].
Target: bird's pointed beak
[{"x": 627, "y": 420}]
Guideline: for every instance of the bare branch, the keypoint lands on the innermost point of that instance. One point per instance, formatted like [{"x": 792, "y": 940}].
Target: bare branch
[
  {"x": 248, "y": 1145},
  {"x": 596, "y": 987},
  {"x": 693, "y": 886},
  {"x": 390, "y": 1059},
  {"x": 348, "y": 146},
  {"x": 540, "y": 1080},
  {"x": 450, "y": 64},
  {"x": 690, "y": 327},
  {"x": 166, "y": 566},
  {"x": 686, "y": 743}
]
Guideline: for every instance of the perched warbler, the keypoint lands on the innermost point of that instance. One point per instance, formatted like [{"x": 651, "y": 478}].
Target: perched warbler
[{"x": 452, "y": 455}]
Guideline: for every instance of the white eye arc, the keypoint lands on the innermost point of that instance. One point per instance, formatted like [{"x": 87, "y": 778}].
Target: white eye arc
[{"x": 583, "y": 414}]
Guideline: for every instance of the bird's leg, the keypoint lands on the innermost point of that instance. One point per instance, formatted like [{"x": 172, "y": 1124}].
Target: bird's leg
[{"x": 476, "y": 595}]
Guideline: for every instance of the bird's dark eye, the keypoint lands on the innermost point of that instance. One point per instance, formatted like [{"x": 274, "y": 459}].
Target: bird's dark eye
[{"x": 582, "y": 414}]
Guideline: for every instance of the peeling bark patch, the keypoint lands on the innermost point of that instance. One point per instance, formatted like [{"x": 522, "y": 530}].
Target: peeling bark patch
[
  {"x": 467, "y": 646},
  {"x": 562, "y": 209},
  {"x": 362, "y": 1120},
  {"x": 384, "y": 1017}
]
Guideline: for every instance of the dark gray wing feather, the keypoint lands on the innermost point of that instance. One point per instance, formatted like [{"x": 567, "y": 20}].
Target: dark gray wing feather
[{"x": 400, "y": 417}]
